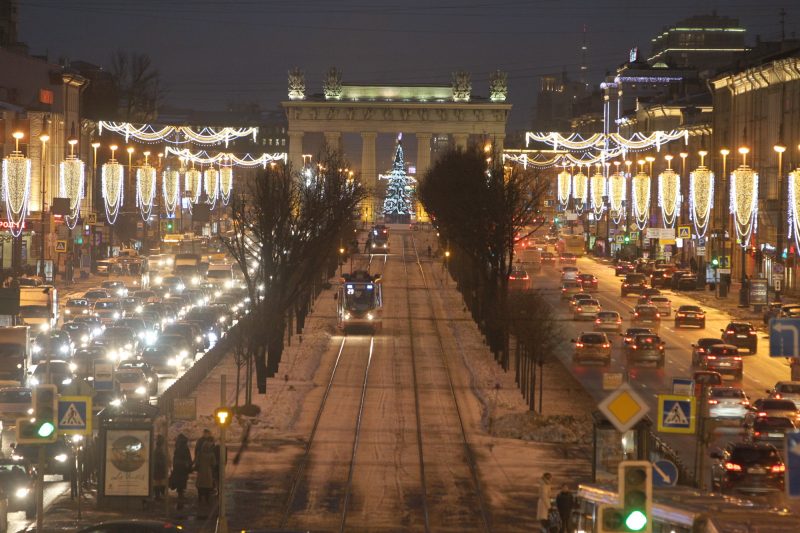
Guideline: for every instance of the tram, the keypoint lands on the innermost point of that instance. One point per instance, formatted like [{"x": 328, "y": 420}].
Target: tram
[
  {"x": 379, "y": 239},
  {"x": 687, "y": 510},
  {"x": 359, "y": 302}
]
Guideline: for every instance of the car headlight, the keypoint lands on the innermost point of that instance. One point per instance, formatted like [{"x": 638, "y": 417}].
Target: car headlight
[
  {"x": 195, "y": 280},
  {"x": 183, "y": 354},
  {"x": 36, "y": 348},
  {"x": 228, "y": 284},
  {"x": 22, "y": 492},
  {"x": 120, "y": 292},
  {"x": 85, "y": 312},
  {"x": 140, "y": 390},
  {"x": 217, "y": 294},
  {"x": 173, "y": 362},
  {"x": 347, "y": 316},
  {"x": 116, "y": 402},
  {"x": 158, "y": 280},
  {"x": 61, "y": 458},
  {"x": 84, "y": 338},
  {"x": 198, "y": 339},
  {"x": 73, "y": 367},
  {"x": 369, "y": 316},
  {"x": 141, "y": 335},
  {"x": 223, "y": 318},
  {"x": 44, "y": 326},
  {"x": 180, "y": 287},
  {"x": 139, "y": 309},
  {"x": 66, "y": 381},
  {"x": 113, "y": 355},
  {"x": 116, "y": 314},
  {"x": 34, "y": 381},
  {"x": 129, "y": 346},
  {"x": 97, "y": 331},
  {"x": 64, "y": 348},
  {"x": 68, "y": 312},
  {"x": 212, "y": 337}
]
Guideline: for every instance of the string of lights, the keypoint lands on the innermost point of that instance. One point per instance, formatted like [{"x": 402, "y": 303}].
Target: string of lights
[
  {"x": 669, "y": 196},
  {"x": 71, "y": 183},
  {"x": 16, "y": 189},
  {"x": 580, "y": 184},
  {"x": 145, "y": 190},
  {"x": 641, "y": 199},
  {"x": 203, "y": 158},
  {"x": 112, "y": 179},
  {"x": 176, "y": 134},
  {"x": 744, "y": 202},
  {"x": 564, "y": 187},
  {"x": 701, "y": 198},
  {"x": 170, "y": 185},
  {"x": 598, "y": 192}
]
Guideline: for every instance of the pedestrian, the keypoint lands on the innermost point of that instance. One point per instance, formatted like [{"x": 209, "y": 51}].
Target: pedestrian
[
  {"x": 205, "y": 464},
  {"x": 430, "y": 252},
  {"x": 181, "y": 467},
  {"x": 160, "y": 468},
  {"x": 543, "y": 505},
  {"x": 565, "y": 501},
  {"x": 199, "y": 444},
  {"x": 366, "y": 245}
]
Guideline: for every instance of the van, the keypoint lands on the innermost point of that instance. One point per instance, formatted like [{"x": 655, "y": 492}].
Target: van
[{"x": 220, "y": 274}]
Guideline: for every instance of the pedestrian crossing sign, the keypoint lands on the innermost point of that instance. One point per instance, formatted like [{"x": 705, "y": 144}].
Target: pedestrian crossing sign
[
  {"x": 684, "y": 232},
  {"x": 676, "y": 414},
  {"x": 75, "y": 415}
]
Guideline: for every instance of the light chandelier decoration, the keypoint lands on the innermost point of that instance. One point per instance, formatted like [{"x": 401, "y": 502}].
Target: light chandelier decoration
[
  {"x": 71, "y": 182},
  {"x": 640, "y": 194},
  {"x": 193, "y": 184},
  {"x": 16, "y": 187},
  {"x": 113, "y": 181},
  {"x": 145, "y": 188},
  {"x": 616, "y": 194},
  {"x": 170, "y": 185},
  {"x": 564, "y": 187},
  {"x": 701, "y": 196},
  {"x": 204, "y": 158},
  {"x": 669, "y": 194},
  {"x": 794, "y": 206},
  {"x": 744, "y": 200},
  {"x": 211, "y": 185},
  {"x": 225, "y": 183},
  {"x": 598, "y": 192},
  {"x": 610, "y": 141},
  {"x": 177, "y": 134},
  {"x": 580, "y": 184}
]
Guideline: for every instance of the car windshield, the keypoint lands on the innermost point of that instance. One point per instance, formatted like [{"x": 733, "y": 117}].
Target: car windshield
[
  {"x": 634, "y": 278},
  {"x": 721, "y": 350},
  {"x": 94, "y": 295},
  {"x": 15, "y": 396},
  {"x": 689, "y": 309},
  {"x": 740, "y": 328},
  {"x": 128, "y": 377},
  {"x": 78, "y": 303},
  {"x": 726, "y": 392},
  {"x": 593, "y": 338},
  {"x": 777, "y": 422},
  {"x": 647, "y": 339},
  {"x": 570, "y": 285},
  {"x": 118, "y": 333},
  {"x": 748, "y": 455},
  {"x": 788, "y": 388},
  {"x": 647, "y": 311},
  {"x": 777, "y": 405},
  {"x": 106, "y": 305},
  {"x": 219, "y": 274},
  {"x": 659, "y": 299},
  {"x": 707, "y": 342},
  {"x": 608, "y": 314},
  {"x": 636, "y": 331},
  {"x": 56, "y": 367}
]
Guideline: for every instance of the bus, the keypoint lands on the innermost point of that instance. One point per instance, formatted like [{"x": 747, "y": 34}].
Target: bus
[
  {"x": 687, "y": 510},
  {"x": 359, "y": 302}
]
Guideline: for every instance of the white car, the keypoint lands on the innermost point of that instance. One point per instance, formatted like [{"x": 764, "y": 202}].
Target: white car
[
  {"x": 727, "y": 402},
  {"x": 587, "y": 309},
  {"x": 786, "y": 390},
  {"x": 663, "y": 305}
]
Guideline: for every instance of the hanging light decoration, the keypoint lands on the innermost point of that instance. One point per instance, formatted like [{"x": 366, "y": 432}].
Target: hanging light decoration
[
  {"x": 225, "y": 183},
  {"x": 580, "y": 184},
  {"x": 701, "y": 196},
  {"x": 598, "y": 192},
  {"x": 170, "y": 184},
  {"x": 16, "y": 187},
  {"x": 794, "y": 206},
  {"x": 669, "y": 194},
  {"x": 564, "y": 187},
  {"x": 211, "y": 183},
  {"x": 193, "y": 184},
  {"x": 616, "y": 194},
  {"x": 640, "y": 194},
  {"x": 744, "y": 200},
  {"x": 112, "y": 181},
  {"x": 145, "y": 188},
  {"x": 71, "y": 181}
]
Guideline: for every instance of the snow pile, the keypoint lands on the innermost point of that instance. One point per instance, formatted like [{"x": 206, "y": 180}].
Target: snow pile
[{"x": 541, "y": 428}]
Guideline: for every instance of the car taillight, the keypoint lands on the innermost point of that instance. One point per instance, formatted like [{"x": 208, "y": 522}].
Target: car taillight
[
  {"x": 711, "y": 357},
  {"x": 634, "y": 347},
  {"x": 606, "y": 345},
  {"x": 628, "y": 339},
  {"x": 778, "y": 396},
  {"x": 756, "y": 433},
  {"x": 745, "y": 402},
  {"x": 751, "y": 333},
  {"x": 658, "y": 315},
  {"x": 713, "y": 402},
  {"x": 737, "y": 358},
  {"x": 597, "y": 321},
  {"x": 525, "y": 276},
  {"x": 733, "y": 467},
  {"x": 681, "y": 314},
  {"x": 776, "y": 469},
  {"x": 580, "y": 309},
  {"x": 729, "y": 332},
  {"x": 619, "y": 321},
  {"x": 761, "y": 413},
  {"x": 579, "y": 345},
  {"x": 701, "y": 350},
  {"x": 635, "y": 314}
]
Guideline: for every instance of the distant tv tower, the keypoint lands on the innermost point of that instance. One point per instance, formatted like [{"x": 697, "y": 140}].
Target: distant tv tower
[{"x": 584, "y": 68}]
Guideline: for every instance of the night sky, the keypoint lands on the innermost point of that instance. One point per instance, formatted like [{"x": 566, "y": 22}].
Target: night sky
[{"x": 211, "y": 52}]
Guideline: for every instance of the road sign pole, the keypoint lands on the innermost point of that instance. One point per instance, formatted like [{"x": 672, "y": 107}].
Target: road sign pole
[{"x": 40, "y": 490}]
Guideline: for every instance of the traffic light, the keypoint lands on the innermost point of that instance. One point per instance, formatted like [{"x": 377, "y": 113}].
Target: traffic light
[
  {"x": 627, "y": 239},
  {"x": 42, "y": 427},
  {"x": 170, "y": 225},
  {"x": 223, "y": 416},
  {"x": 633, "y": 512},
  {"x": 79, "y": 239},
  {"x": 714, "y": 262}
]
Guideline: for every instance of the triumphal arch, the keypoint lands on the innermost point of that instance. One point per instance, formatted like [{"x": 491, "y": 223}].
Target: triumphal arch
[{"x": 423, "y": 110}]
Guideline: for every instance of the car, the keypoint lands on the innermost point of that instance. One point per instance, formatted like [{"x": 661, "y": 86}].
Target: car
[
  {"x": 660, "y": 278},
  {"x": 727, "y": 403},
  {"x": 17, "y": 482},
  {"x": 747, "y": 467},
  {"x": 704, "y": 379},
  {"x": 772, "y": 407},
  {"x": 567, "y": 258},
  {"x": 663, "y": 305},
  {"x": 772, "y": 429},
  {"x": 630, "y": 333},
  {"x": 624, "y": 267},
  {"x": 173, "y": 284},
  {"x": 579, "y": 297},
  {"x": 58, "y": 456},
  {"x": 570, "y": 273},
  {"x": 96, "y": 294},
  {"x": 593, "y": 346},
  {"x": 144, "y": 334},
  {"x": 633, "y": 284},
  {"x": 116, "y": 287},
  {"x": 779, "y": 310},
  {"x": 132, "y": 526},
  {"x": 786, "y": 390},
  {"x": 650, "y": 291},
  {"x": 120, "y": 342},
  {"x": 646, "y": 315},
  {"x": 53, "y": 344},
  {"x": 608, "y": 321},
  {"x": 80, "y": 334},
  {"x": 568, "y": 288},
  {"x": 62, "y": 373},
  {"x": 588, "y": 282},
  {"x": 77, "y": 306},
  {"x": 519, "y": 280},
  {"x": 30, "y": 281},
  {"x": 15, "y": 402},
  {"x": 130, "y": 382},
  {"x": 680, "y": 274},
  {"x": 84, "y": 360},
  {"x": 131, "y": 305},
  {"x": 742, "y": 335},
  {"x": 180, "y": 347},
  {"x": 548, "y": 258},
  {"x": 645, "y": 348},
  {"x": 687, "y": 283},
  {"x": 722, "y": 358},
  {"x": 108, "y": 310},
  {"x": 690, "y": 315},
  {"x": 188, "y": 331},
  {"x": 586, "y": 309},
  {"x": 701, "y": 346},
  {"x": 149, "y": 372}
]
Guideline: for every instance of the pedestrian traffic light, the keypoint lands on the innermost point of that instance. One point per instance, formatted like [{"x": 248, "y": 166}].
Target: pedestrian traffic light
[
  {"x": 223, "y": 416},
  {"x": 170, "y": 225},
  {"x": 79, "y": 239},
  {"x": 627, "y": 239},
  {"x": 714, "y": 262},
  {"x": 42, "y": 427}
]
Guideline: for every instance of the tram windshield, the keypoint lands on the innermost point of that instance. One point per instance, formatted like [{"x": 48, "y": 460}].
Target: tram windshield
[{"x": 359, "y": 297}]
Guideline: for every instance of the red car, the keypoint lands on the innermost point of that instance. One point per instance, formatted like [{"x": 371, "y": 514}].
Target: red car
[{"x": 588, "y": 282}]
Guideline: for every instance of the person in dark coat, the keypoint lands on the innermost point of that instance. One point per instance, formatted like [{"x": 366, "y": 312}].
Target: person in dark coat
[
  {"x": 565, "y": 501},
  {"x": 205, "y": 464},
  {"x": 199, "y": 444},
  {"x": 181, "y": 467},
  {"x": 160, "y": 468}
]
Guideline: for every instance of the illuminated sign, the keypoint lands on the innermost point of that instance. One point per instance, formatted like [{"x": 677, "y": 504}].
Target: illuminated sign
[{"x": 5, "y": 224}]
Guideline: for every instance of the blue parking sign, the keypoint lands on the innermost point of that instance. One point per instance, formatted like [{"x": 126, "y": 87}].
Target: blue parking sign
[
  {"x": 784, "y": 337},
  {"x": 793, "y": 464}
]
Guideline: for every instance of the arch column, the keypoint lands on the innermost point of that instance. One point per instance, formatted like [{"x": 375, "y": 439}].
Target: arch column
[
  {"x": 423, "y": 154},
  {"x": 369, "y": 175},
  {"x": 460, "y": 140},
  {"x": 499, "y": 140},
  {"x": 296, "y": 149},
  {"x": 334, "y": 140}
]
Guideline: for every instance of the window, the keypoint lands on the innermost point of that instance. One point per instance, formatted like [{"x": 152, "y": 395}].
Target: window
[{"x": 283, "y": 142}]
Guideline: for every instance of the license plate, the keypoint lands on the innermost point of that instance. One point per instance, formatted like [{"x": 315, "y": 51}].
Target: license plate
[
  {"x": 775, "y": 435},
  {"x": 724, "y": 364},
  {"x": 741, "y": 336},
  {"x": 756, "y": 470}
]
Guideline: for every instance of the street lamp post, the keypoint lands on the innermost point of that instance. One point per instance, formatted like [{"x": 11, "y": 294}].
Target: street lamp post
[
  {"x": 779, "y": 149},
  {"x": 93, "y": 209},
  {"x": 43, "y": 138},
  {"x": 723, "y": 289}
]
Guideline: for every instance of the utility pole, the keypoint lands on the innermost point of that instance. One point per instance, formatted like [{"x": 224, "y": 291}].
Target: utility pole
[{"x": 223, "y": 417}]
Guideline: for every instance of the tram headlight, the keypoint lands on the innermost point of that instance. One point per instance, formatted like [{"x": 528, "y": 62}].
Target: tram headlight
[
  {"x": 369, "y": 316},
  {"x": 347, "y": 316}
]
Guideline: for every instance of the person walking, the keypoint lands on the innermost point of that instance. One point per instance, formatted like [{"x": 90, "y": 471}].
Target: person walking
[
  {"x": 545, "y": 497},
  {"x": 160, "y": 468},
  {"x": 205, "y": 464},
  {"x": 565, "y": 501},
  {"x": 199, "y": 444},
  {"x": 181, "y": 467}
]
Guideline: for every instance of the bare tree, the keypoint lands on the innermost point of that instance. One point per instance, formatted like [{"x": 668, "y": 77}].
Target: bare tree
[
  {"x": 286, "y": 231},
  {"x": 138, "y": 85}
]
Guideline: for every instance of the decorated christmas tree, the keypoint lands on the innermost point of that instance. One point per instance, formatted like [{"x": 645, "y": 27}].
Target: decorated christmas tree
[{"x": 398, "y": 205}]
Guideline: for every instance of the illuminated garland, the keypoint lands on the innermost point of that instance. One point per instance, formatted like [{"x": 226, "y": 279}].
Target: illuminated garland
[
  {"x": 193, "y": 184},
  {"x": 599, "y": 141},
  {"x": 564, "y": 187},
  {"x": 145, "y": 190},
  {"x": 616, "y": 195},
  {"x": 148, "y": 133},
  {"x": 640, "y": 194},
  {"x": 579, "y": 193},
  {"x": 225, "y": 184},
  {"x": 203, "y": 158},
  {"x": 170, "y": 185},
  {"x": 211, "y": 185},
  {"x": 71, "y": 183},
  {"x": 598, "y": 191},
  {"x": 794, "y": 206},
  {"x": 701, "y": 199},
  {"x": 744, "y": 202},
  {"x": 113, "y": 178},
  {"x": 16, "y": 190},
  {"x": 669, "y": 196}
]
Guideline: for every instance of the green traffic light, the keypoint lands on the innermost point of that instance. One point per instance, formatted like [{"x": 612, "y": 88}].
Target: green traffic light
[
  {"x": 636, "y": 521},
  {"x": 46, "y": 429},
  {"x": 715, "y": 261}
]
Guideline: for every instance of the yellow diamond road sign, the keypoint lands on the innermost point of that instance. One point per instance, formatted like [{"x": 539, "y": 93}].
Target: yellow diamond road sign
[{"x": 623, "y": 408}]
